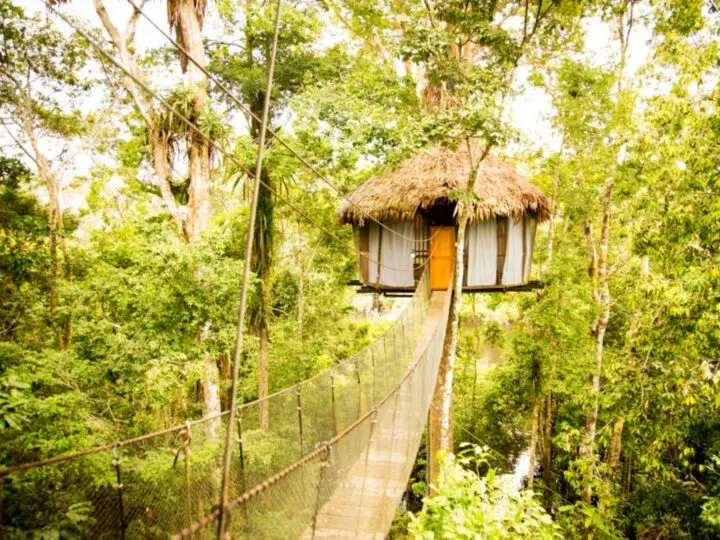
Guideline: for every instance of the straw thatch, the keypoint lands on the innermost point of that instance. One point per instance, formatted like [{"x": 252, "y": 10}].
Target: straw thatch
[{"x": 426, "y": 179}]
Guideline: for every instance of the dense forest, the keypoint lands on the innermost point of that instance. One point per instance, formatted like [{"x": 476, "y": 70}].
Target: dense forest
[{"x": 125, "y": 201}]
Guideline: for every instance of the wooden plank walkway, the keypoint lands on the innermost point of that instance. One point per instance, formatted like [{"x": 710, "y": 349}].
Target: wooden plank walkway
[{"x": 364, "y": 504}]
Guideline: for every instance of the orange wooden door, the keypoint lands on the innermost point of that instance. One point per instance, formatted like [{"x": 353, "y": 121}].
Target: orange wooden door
[{"x": 442, "y": 256}]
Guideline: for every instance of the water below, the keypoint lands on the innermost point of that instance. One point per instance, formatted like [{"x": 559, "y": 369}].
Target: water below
[{"x": 516, "y": 479}]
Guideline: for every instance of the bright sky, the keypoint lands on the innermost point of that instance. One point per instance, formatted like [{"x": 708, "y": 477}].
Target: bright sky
[{"x": 528, "y": 112}]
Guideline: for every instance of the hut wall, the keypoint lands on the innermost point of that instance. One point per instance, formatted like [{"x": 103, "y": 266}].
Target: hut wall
[
  {"x": 396, "y": 255},
  {"x": 513, "y": 268},
  {"x": 482, "y": 253},
  {"x": 373, "y": 253},
  {"x": 361, "y": 235},
  {"x": 530, "y": 228}
]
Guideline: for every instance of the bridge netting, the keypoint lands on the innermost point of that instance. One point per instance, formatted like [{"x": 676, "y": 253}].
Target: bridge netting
[{"x": 292, "y": 454}]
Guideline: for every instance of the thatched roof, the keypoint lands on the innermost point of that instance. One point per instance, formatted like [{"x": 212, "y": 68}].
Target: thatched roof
[{"x": 426, "y": 178}]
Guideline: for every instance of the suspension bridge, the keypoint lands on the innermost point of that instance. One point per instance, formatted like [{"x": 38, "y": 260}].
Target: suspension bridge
[
  {"x": 333, "y": 459},
  {"x": 328, "y": 457}
]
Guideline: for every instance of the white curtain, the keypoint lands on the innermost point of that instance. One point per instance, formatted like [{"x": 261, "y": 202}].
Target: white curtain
[
  {"x": 530, "y": 227},
  {"x": 373, "y": 252},
  {"x": 482, "y": 253},
  {"x": 397, "y": 254},
  {"x": 513, "y": 269}
]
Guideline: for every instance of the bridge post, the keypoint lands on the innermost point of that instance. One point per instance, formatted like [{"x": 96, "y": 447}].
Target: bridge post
[
  {"x": 242, "y": 453},
  {"x": 332, "y": 400},
  {"x": 323, "y": 467},
  {"x": 186, "y": 456},
  {"x": 300, "y": 422},
  {"x": 119, "y": 487},
  {"x": 372, "y": 362},
  {"x": 361, "y": 396}
]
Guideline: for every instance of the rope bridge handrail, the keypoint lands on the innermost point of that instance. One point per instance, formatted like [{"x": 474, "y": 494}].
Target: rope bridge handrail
[
  {"x": 289, "y": 503},
  {"x": 158, "y": 483}
]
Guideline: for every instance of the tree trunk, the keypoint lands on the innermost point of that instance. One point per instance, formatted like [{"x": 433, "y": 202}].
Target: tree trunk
[
  {"x": 533, "y": 437},
  {"x": 602, "y": 297},
  {"x": 187, "y": 20},
  {"x": 547, "y": 451},
  {"x": 68, "y": 333},
  {"x": 547, "y": 441},
  {"x": 615, "y": 445},
  {"x": 157, "y": 141},
  {"x": 475, "y": 373},
  {"x": 440, "y": 434},
  {"x": 211, "y": 392},
  {"x": 551, "y": 224},
  {"x": 261, "y": 265},
  {"x": 55, "y": 222},
  {"x": 628, "y": 472}
]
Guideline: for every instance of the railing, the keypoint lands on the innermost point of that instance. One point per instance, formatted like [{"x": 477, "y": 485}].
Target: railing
[
  {"x": 291, "y": 503},
  {"x": 157, "y": 484}
]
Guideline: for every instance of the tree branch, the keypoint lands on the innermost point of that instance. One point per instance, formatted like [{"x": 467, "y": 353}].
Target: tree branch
[
  {"x": 20, "y": 145},
  {"x": 132, "y": 22}
]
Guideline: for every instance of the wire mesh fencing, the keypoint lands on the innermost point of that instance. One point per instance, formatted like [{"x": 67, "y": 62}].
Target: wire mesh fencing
[
  {"x": 155, "y": 485},
  {"x": 351, "y": 484}
]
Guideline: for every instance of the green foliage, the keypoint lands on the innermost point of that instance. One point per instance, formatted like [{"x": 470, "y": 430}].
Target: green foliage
[
  {"x": 470, "y": 505},
  {"x": 146, "y": 309}
]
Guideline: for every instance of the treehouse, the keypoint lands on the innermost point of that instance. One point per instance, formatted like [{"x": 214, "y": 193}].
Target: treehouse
[{"x": 413, "y": 201}]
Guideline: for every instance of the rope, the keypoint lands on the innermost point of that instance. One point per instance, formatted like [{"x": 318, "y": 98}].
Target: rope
[
  {"x": 249, "y": 111},
  {"x": 210, "y": 142},
  {"x": 246, "y": 277},
  {"x": 421, "y": 289},
  {"x": 371, "y": 413}
]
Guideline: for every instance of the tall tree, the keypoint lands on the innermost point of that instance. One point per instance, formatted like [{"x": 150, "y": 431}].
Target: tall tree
[
  {"x": 468, "y": 57},
  {"x": 189, "y": 207},
  {"x": 189, "y": 202},
  {"x": 39, "y": 85},
  {"x": 240, "y": 60},
  {"x": 617, "y": 125}
]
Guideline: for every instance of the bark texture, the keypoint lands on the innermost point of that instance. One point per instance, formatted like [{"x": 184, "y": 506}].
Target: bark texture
[
  {"x": 440, "y": 427},
  {"x": 533, "y": 438},
  {"x": 598, "y": 271},
  {"x": 186, "y": 19}
]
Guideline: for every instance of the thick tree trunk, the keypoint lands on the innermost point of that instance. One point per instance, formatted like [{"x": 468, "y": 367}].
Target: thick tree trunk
[
  {"x": 157, "y": 141},
  {"x": 261, "y": 266},
  {"x": 440, "y": 428},
  {"x": 187, "y": 19}
]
